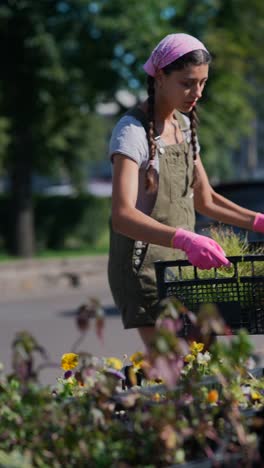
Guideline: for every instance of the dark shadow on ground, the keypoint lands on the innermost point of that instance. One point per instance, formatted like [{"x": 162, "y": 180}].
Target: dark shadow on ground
[{"x": 110, "y": 311}]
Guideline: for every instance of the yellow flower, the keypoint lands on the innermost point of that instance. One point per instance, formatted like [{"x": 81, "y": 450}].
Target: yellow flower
[
  {"x": 69, "y": 361},
  {"x": 137, "y": 360},
  {"x": 114, "y": 363},
  {"x": 168, "y": 435},
  {"x": 255, "y": 395},
  {"x": 196, "y": 347},
  {"x": 132, "y": 376},
  {"x": 137, "y": 357},
  {"x": 155, "y": 381},
  {"x": 189, "y": 358},
  {"x": 71, "y": 381},
  {"x": 156, "y": 397},
  {"x": 212, "y": 396}
]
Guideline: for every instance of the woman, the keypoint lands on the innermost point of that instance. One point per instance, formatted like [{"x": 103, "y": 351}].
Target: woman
[{"x": 159, "y": 181}]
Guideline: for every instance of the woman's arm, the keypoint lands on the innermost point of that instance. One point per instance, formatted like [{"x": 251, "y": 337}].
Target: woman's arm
[
  {"x": 126, "y": 218},
  {"x": 201, "y": 251},
  {"x": 210, "y": 203}
]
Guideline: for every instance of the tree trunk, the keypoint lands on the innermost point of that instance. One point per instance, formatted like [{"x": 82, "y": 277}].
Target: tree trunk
[
  {"x": 23, "y": 238},
  {"x": 252, "y": 156}
]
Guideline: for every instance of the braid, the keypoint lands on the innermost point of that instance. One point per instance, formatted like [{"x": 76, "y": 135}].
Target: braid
[
  {"x": 150, "y": 175},
  {"x": 193, "y": 125}
]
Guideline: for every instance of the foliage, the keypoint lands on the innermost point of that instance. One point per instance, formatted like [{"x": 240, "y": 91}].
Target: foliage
[
  {"x": 232, "y": 97},
  {"x": 48, "y": 93},
  {"x": 188, "y": 405},
  {"x": 62, "y": 58},
  {"x": 62, "y": 222},
  {"x": 72, "y": 222},
  {"x": 49, "y": 56}
]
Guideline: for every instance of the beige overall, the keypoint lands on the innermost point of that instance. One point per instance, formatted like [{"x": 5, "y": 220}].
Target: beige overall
[{"x": 131, "y": 270}]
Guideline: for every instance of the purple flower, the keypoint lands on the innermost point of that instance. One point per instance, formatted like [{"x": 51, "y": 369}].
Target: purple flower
[
  {"x": 67, "y": 374},
  {"x": 116, "y": 373},
  {"x": 170, "y": 324}
]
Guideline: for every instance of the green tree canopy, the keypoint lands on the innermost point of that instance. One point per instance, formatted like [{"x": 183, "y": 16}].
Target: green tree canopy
[
  {"x": 60, "y": 58},
  {"x": 51, "y": 76},
  {"x": 233, "y": 32}
]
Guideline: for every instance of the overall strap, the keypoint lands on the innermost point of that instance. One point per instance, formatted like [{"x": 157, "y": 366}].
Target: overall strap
[
  {"x": 182, "y": 122},
  {"x": 140, "y": 115}
]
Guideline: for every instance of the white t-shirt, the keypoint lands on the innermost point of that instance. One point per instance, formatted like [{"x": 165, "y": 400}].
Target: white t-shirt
[{"x": 129, "y": 139}]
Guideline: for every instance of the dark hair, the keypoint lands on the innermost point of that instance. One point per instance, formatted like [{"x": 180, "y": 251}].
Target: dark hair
[{"x": 196, "y": 57}]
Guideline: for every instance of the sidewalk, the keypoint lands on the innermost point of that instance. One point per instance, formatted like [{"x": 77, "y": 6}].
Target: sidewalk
[{"x": 34, "y": 275}]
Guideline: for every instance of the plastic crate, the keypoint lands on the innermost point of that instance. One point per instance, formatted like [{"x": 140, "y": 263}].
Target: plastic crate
[{"x": 239, "y": 299}]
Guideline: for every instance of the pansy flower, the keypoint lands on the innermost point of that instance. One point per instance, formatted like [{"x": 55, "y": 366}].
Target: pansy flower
[
  {"x": 114, "y": 363},
  {"x": 69, "y": 361},
  {"x": 196, "y": 348}
]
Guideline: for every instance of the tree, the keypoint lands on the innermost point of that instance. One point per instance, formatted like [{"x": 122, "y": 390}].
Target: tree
[
  {"x": 59, "y": 58},
  {"x": 49, "y": 88},
  {"x": 233, "y": 32}
]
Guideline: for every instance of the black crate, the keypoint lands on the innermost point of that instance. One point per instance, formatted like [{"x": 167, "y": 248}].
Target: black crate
[{"x": 239, "y": 299}]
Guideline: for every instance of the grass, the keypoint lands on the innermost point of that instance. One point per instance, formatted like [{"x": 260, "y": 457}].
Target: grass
[
  {"x": 64, "y": 253},
  {"x": 213, "y": 292},
  {"x": 234, "y": 245},
  {"x": 72, "y": 252}
]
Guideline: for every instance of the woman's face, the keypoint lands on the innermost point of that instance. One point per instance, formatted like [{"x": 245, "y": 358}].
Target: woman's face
[{"x": 181, "y": 89}]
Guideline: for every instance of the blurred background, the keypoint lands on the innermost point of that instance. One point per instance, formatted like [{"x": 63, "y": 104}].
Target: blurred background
[{"x": 69, "y": 69}]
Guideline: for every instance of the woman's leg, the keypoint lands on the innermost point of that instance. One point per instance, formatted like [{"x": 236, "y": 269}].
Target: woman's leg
[{"x": 147, "y": 334}]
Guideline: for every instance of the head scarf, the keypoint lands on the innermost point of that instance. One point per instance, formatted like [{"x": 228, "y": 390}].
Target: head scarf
[{"x": 169, "y": 49}]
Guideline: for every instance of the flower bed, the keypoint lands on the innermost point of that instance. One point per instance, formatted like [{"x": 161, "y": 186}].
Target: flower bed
[{"x": 183, "y": 401}]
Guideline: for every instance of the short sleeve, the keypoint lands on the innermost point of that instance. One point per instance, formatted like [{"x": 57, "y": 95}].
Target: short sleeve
[{"x": 129, "y": 138}]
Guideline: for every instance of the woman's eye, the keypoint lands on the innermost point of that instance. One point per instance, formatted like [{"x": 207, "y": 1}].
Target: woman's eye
[{"x": 186, "y": 84}]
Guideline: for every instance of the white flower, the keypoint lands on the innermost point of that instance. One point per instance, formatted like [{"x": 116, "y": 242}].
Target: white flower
[
  {"x": 250, "y": 363},
  {"x": 97, "y": 362},
  {"x": 246, "y": 390},
  {"x": 203, "y": 358}
]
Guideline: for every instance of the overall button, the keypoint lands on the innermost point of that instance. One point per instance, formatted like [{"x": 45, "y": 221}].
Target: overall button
[
  {"x": 161, "y": 150},
  {"x": 137, "y": 262},
  {"x": 138, "y": 251},
  {"x": 139, "y": 244}
]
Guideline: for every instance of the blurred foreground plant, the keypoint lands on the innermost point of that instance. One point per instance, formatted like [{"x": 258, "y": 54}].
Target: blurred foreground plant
[{"x": 182, "y": 400}]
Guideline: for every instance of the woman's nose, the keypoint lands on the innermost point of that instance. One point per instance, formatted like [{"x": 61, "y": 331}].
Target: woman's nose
[{"x": 197, "y": 92}]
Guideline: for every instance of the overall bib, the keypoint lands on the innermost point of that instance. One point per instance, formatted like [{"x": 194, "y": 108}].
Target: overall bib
[{"x": 131, "y": 271}]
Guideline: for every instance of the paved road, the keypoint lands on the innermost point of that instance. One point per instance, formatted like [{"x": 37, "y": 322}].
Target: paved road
[{"x": 49, "y": 316}]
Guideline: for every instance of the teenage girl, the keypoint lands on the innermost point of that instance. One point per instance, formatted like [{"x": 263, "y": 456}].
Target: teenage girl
[{"x": 159, "y": 181}]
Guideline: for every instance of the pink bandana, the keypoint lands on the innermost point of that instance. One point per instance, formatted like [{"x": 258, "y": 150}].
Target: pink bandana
[{"x": 169, "y": 49}]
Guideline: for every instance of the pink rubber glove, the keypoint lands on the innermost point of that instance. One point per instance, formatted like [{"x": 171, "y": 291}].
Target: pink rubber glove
[
  {"x": 201, "y": 251},
  {"x": 258, "y": 224}
]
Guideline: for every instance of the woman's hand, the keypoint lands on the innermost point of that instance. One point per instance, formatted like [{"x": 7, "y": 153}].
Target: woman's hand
[
  {"x": 202, "y": 252},
  {"x": 258, "y": 225}
]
